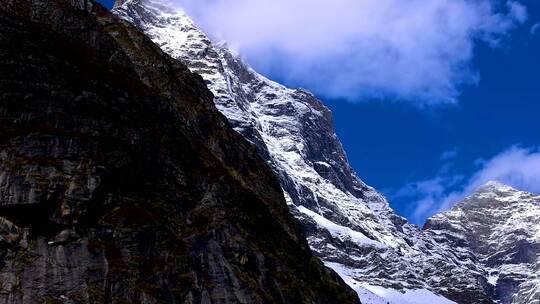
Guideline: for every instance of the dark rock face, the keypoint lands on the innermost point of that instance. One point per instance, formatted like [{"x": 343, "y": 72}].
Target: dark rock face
[
  {"x": 121, "y": 183},
  {"x": 349, "y": 225}
]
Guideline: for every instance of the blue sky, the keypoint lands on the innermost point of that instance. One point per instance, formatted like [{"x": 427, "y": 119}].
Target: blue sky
[
  {"x": 107, "y": 3},
  {"x": 393, "y": 144},
  {"x": 430, "y": 98}
]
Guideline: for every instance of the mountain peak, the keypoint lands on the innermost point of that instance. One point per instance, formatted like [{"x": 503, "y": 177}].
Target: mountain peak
[
  {"x": 503, "y": 192},
  {"x": 119, "y": 3},
  {"x": 496, "y": 227},
  {"x": 201, "y": 219},
  {"x": 494, "y": 185},
  {"x": 348, "y": 224},
  {"x": 495, "y": 194}
]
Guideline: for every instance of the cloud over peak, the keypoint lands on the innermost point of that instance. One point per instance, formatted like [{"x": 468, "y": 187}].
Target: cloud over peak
[
  {"x": 416, "y": 50},
  {"x": 516, "y": 166}
]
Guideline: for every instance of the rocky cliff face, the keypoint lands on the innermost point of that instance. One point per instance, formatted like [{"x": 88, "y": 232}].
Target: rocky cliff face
[
  {"x": 120, "y": 182},
  {"x": 349, "y": 224},
  {"x": 498, "y": 226}
]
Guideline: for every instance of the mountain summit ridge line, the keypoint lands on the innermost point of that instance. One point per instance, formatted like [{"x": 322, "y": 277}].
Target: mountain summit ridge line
[{"x": 349, "y": 224}]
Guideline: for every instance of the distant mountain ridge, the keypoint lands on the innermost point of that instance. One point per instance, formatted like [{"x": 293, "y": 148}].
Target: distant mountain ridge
[
  {"x": 499, "y": 226},
  {"x": 349, "y": 224}
]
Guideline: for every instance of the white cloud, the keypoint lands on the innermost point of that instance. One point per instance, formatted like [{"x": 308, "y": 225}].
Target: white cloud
[
  {"x": 517, "y": 11},
  {"x": 517, "y": 167},
  {"x": 428, "y": 196},
  {"x": 417, "y": 50}
]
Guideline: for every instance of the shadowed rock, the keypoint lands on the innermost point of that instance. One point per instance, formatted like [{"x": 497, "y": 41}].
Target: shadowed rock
[{"x": 121, "y": 183}]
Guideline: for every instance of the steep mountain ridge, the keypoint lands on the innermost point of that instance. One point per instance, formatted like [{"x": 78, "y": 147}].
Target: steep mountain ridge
[
  {"x": 349, "y": 224},
  {"x": 499, "y": 226},
  {"x": 120, "y": 182}
]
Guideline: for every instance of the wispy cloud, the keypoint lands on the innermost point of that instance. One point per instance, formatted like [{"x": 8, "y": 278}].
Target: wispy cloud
[
  {"x": 415, "y": 50},
  {"x": 517, "y": 166},
  {"x": 428, "y": 196},
  {"x": 535, "y": 28},
  {"x": 448, "y": 155}
]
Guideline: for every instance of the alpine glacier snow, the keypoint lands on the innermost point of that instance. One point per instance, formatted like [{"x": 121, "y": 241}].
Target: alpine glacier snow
[{"x": 349, "y": 225}]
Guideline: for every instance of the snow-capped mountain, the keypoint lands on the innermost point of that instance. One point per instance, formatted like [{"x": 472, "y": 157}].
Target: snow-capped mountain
[
  {"x": 121, "y": 182},
  {"x": 498, "y": 226},
  {"x": 349, "y": 225}
]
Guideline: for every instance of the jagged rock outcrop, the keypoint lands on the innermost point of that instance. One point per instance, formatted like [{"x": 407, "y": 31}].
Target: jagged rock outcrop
[
  {"x": 497, "y": 226},
  {"x": 120, "y": 182},
  {"x": 349, "y": 224}
]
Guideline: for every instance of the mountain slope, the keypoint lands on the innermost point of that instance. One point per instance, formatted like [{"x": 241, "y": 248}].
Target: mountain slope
[
  {"x": 120, "y": 182},
  {"x": 349, "y": 225},
  {"x": 499, "y": 226}
]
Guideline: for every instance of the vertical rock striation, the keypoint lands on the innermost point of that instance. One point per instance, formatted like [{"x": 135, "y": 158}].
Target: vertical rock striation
[
  {"x": 120, "y": 182},
  {"x": 498, "y": 226},
  {"x": 349, "y": 225}
]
